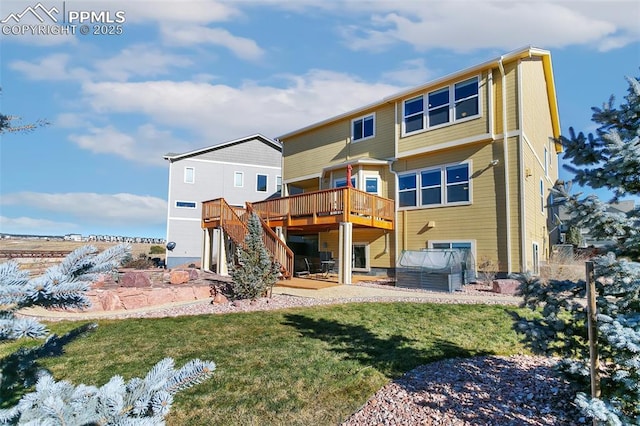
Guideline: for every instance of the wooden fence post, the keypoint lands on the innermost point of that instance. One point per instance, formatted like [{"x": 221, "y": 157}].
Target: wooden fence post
[{"x": 593, "y": 332}]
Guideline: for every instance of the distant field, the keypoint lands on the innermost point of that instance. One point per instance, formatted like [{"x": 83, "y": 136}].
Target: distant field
[{"x": 16, "y": 244}]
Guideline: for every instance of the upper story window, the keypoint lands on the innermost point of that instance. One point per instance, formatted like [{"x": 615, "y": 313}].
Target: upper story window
[
  {"x": 449, "y": 104},
  {"x": 466, "y": 98},
  {"x": 363, "y": 128},
  {"x": 278, "y": 183},
  {"x": 438, "y": 186},
  {"x": 261, "y": 183},
  {"x": 238, "y": 179},
  {"x": 189, "y": 175},
  {"x": 542, "y": 196},
  {"x": 546, "y": 161}
]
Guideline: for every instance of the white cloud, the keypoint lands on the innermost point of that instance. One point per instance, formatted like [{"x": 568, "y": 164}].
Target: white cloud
[
  {"x": 122, "y": 209},
  {"x": 220, "y": 112},
  {"x": 411, "y": 73},
  {"x": 184, "y": 12},
  {"x": 242, "y": 47},
  {"x": 145, "y": 145},
  {"x": 51, "y": 67},
  {"x": 464, "y": 26},
  {"x": 30, "y": 226},
  {"x": 139, "y": 60}
]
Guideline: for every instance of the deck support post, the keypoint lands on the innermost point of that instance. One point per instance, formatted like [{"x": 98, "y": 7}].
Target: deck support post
[
  {"x": 221, "y": 252},
  {"x": 205, "y": 261},
  {"x": 345, "y": 252}
]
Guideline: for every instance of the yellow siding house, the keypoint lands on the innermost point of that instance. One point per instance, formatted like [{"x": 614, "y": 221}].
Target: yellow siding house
[{"x": 464, "y": 161}]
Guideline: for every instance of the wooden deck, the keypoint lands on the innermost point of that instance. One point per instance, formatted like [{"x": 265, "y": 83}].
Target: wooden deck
[{"x": 324, "y": 209}]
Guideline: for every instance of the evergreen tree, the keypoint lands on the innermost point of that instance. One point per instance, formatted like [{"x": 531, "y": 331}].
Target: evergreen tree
[
  {"x": 609, "y": 159},
  {"x": 256, "y": 273},
  {"x": 138, "y": 401},
  {"x": 574, "y": 236}
]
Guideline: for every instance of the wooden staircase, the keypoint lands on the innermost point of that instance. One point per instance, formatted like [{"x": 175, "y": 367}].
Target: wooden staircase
[{"x": 234, "y": 220}]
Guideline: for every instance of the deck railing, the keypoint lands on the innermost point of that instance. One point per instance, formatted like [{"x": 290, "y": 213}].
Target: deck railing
[
  {"x": 361, "y": 207},
  {"x": 234, "y": 222}
]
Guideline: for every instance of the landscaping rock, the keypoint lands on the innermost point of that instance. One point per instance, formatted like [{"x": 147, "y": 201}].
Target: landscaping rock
[
  {"x": 179, "y": 277},
  {"x": 135, "y": 279},
  {"x": 193, "y": 274},
  {"x": 220, "y": 299},
  {"x": 506, "y": 286},
  {"x": 109, "y": 301}
]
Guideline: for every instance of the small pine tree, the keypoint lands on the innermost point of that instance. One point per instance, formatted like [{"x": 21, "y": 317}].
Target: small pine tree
[
  {"x": 574, "y": 236},
  {"x": 610, "y": 159},
  {"x": 138, "y": 401},
  {"x": 256, "y": 273}
]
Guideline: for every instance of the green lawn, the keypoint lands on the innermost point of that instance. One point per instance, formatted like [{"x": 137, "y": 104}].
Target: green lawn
[{"x": 304, "y": 366}]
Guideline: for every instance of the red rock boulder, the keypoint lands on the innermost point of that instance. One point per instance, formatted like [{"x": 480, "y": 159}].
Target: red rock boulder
[{"x": 179, "y": 277}]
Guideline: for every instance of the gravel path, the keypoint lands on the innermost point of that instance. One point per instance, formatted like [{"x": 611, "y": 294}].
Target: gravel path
[{"x": 517, "y": 390}]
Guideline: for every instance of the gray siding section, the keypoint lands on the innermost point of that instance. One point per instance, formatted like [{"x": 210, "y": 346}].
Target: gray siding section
[
  {"x": 254, "y": 152},
  {"x": 214, "y": 177}
]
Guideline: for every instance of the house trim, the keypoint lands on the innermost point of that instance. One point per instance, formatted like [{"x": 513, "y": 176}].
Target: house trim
[
  {"x": 193, "y": 219},
  {"x": 445, "y": 145},
  {"x": 274, "y": 144}
]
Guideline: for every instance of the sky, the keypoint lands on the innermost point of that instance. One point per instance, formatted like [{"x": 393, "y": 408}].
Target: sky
[{"x": 152, "y": 77}]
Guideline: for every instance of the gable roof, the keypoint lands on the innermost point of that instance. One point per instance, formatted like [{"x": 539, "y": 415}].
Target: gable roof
[
  {"x": 171, "y": 156},
  {"x": 525, "y": 52}
]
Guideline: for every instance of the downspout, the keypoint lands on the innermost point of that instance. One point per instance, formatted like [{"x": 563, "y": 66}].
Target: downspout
[
  {"x": 506, "y": 163},
  {"x": 166, "y": 251},
  {"x": 521, "y": 179},
  {"x": 395, "y": 184}
]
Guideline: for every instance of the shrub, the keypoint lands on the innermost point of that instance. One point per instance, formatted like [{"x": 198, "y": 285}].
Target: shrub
[
  {"x": 255, "y": 273},
  {"x": 157, "y": 250}
]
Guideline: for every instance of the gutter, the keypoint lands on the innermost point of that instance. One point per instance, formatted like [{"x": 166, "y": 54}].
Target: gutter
[{"x": 505, "y": 149}]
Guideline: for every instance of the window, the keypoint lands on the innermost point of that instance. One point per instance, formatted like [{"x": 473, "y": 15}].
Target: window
[
  {"x": 438, "y": 186},
  {"x": 261, "y": 183},
  {"x": 360, "y": 257},
  {"x": 458, "y": 183},
  {"x": 363, "y": 128},
  {"x": 278, "y": 183},
  {"x": 439, "y": 107},
  {"x": 431, "y": 188},
  {"x": 342, "y": 182},
  {"x": 542, "y": 196},
  {"x": 238, "y": 179},
  {"x": 448, "y": 245},
  {"x": 371, "y": 185},
  {"x": 446, "y": 105},
  {"x": 407, "y": 190},
  {"x": 413, "y": 114},
  {"x": 466, "y": 98},
  {"x": 189, "y": 175},
  {"x": 546, "y": 161},
  {"x": 186, "y": 204}
]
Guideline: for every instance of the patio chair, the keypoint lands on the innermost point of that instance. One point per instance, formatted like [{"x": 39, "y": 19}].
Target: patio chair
[{"x": 308, "y": 271}]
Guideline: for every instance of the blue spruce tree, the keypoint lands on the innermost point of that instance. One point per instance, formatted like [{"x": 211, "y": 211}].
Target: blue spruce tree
[
  {"x": 609, "y": 159},
  {"x": 256, "y": 272},
  {"x": 143, "y": 401}
]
